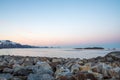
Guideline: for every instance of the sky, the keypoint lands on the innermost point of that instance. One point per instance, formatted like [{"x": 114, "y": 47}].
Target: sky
[{"x": 75, "y": 23}]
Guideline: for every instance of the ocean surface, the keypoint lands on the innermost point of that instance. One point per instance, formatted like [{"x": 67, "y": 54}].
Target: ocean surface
[{"x": 55, "y": 52}]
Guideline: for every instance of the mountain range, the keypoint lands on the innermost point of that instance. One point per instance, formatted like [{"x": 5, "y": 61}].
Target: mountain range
[{"x": 11, "y": 44}]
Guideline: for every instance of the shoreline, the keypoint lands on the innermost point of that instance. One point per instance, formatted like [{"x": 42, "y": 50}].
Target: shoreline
[{"x": 53, "y": 68}]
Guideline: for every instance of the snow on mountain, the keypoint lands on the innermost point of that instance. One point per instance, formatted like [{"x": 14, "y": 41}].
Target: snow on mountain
[
  {"x": 7, "y": 42},
  {"x": 10, "y": 44}
]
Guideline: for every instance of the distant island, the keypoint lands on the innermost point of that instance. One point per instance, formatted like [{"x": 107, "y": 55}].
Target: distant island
[
  {"x": 90, "y": 48},
  {"x": 11, "y": 44}
]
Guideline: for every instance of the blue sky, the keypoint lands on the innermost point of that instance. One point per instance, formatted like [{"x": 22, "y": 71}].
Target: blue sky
[{"x": 61, "y": 22}]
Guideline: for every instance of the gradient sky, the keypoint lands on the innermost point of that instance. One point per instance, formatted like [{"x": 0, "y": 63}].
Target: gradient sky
[{"x": 61, "y": 22}]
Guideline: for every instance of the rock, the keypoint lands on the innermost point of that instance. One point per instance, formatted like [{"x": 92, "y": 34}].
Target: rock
[
  {"x": 115, "y": 54},
  {"x": 1, "y": 78},
  {"x": 53, "y": 65},
  {"x": 117, "y": 69},
  {"x": 75, "y": 68},
  {"x": 44, "y": 59},
  {"x": 7, "y": 70},
  {"x": 56, "y": 60},
  {"x": 62, "y": 78},
  {"x": 19, "y": 78},
  {"x": 95, "y": 69},
  {"x": 17, "y": 67},
  {"x": 62, "y": 71},
  {"x": 12, "y": 61},
  {"x": 35, "y": 60},
  {"x": 85, "y": 60},
  {"x": 96, "y": 75},
  {"x": 85, "y": 76},
  {"x": 38, "y": 76},
  {"x": 103, "y": 69},
  {"x": 19, "y": 70},
  {"x": 3, "y": 63},
  {"x": 15, "y": 78},
  {"x": 41, "y": 70},
  {"x": 110, "y": 59},
  {"x": 22, "y": 72},
  {"x": 66, "y": 78},
  {"x": 28, "y": 62},
  {"x": 6, "y": 76},
  {"x": 116, "y": 72},
  {"x": 7, "y": 58},
  {"x": 85, "y": 68},
  {"x": 69, "y": 64},
  {"x": 81, "y": 62},
  {"x": 44, "y": 65}
]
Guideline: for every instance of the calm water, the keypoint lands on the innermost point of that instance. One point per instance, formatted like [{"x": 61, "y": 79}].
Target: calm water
[{"x": 65, "y": 53}]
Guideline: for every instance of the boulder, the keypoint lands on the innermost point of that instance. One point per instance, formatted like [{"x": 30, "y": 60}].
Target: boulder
[
  {"x": 41, "y": 70},
  {"x": 1, "y": 78},
  {"x": 44, "y": 65},
  {"x": 3, "y": 63},
  {"x": 38, "y": 76},
  {"x": 6, "y": 76},
  {"x": 84, "y": 76},
  {"x": 66, "y": 78},
  {"x": 97, "y": 75},
  {"x": 12, "y": 61},
  {"x": 17, "y": 67},
  {"x": 109, "y": 59},
  {"x": 19, "y": 78},
  {"x": 56, "y": 60},
  {"x": 85, "y": 68},
  {"x": 114, "y": 54},
  {"x": 62, "y": 71},
  {"x": 22, "y": 72},
  {"x": 53, "y": 65},
  {"x": 116, "y": 72},
  {"x": 8, "y": 70},
  {"x": 28, "y": 62},
  {"x": 75, "y": 68}
]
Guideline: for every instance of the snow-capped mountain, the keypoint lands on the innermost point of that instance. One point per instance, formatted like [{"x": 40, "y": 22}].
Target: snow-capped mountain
[
  {"x": 10, "y": 44},
  {"x": 7, "y": 42}
]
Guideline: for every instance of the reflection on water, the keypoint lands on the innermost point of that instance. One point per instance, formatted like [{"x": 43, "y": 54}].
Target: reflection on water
[{"x": 65, "y": 53}]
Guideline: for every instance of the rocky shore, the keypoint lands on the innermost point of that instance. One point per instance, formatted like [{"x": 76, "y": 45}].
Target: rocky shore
[{"x": 46, "y": 68}]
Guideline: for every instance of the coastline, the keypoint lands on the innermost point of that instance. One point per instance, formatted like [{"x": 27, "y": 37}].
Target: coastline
[{"x": 48, "y": 68}]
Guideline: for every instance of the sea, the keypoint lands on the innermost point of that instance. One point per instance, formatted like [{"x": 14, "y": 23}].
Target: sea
[{"x": 56, "y": 52}]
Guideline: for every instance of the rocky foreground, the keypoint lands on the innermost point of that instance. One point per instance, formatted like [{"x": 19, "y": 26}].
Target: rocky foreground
[{"x": 45, "y": 68}]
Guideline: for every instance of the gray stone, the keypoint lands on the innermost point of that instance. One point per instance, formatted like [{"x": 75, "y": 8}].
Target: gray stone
[
  {"x": 45, "y": 65},
  {"x": 62, "y": 71},
  {"x": 3, "y": 63},
  {"x": 22, "y": 72},
  {"x": 1, "y": 78},
  {"x": 19, "y": 78},
  {"x": 38, "y": 76},
  {"x": 17, "y": 67},
  {"x": 114, "y": 54},
  {"x": 6, "y": 76},
  {"x": 56, "y": 60},
  {"x": 8, "y": 70},
  {"x": 41, "y": 70},
  {"x": 109, "y": 59},
  {"x": 75, "y": 68}
]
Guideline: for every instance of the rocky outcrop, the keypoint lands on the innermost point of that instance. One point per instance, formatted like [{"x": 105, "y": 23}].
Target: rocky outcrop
[
  {"x": 113, "y": 55},
  {"x": 44, "y": 68}
]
